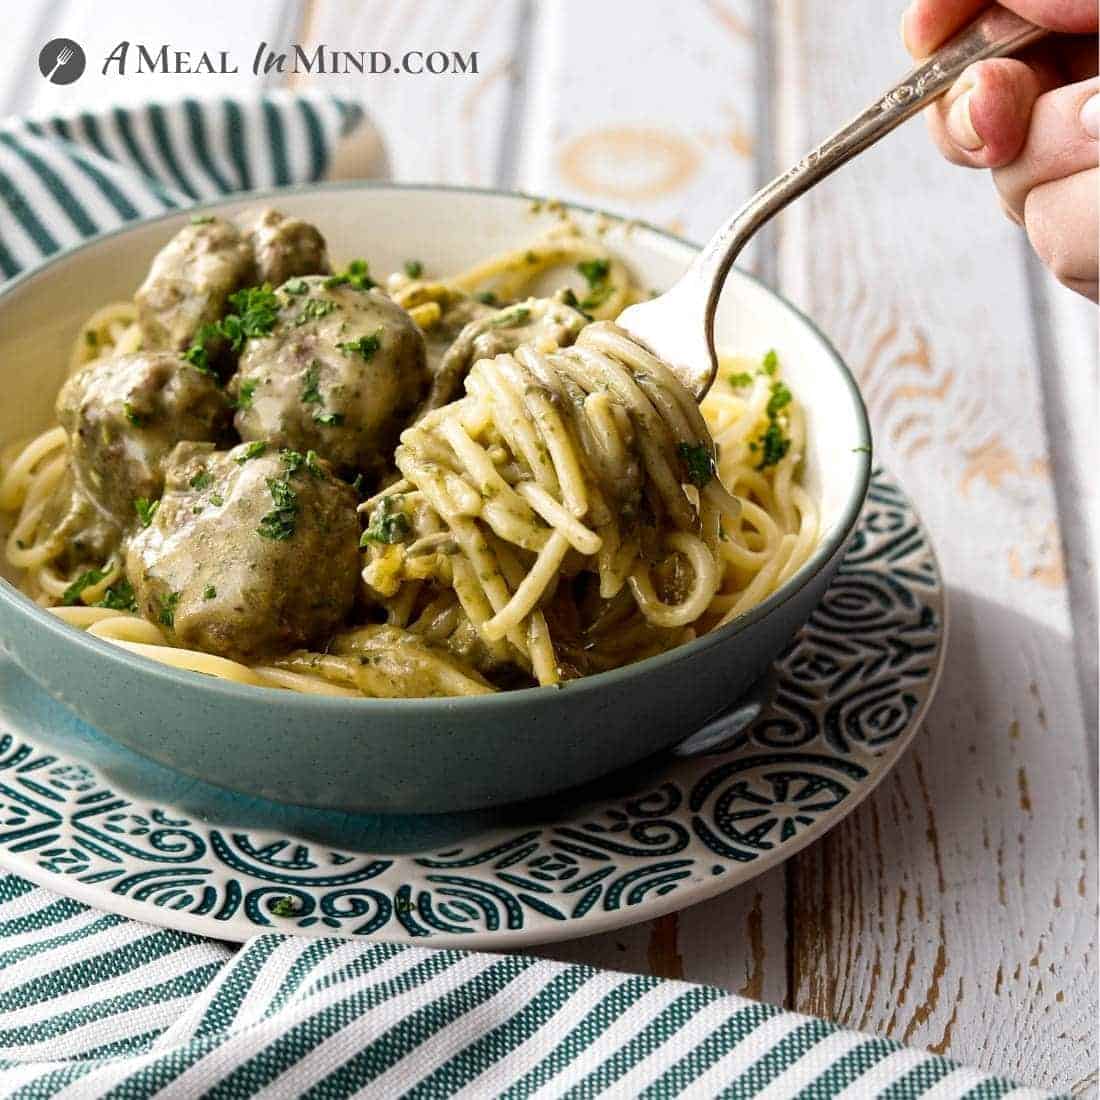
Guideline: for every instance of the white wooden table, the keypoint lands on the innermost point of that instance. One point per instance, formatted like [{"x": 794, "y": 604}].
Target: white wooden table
[{"x": 956, "y": 908}]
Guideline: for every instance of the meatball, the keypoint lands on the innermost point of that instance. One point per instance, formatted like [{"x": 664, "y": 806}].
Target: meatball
[
  {"x": 340, "y": 374},
  {"x": 544, "y": 323},
  {"x": 283, "y": 247},
  {"x": 124, "y": 415},
  {"x": 189, "y": 282},
  {"x": 251, "y": 552}
]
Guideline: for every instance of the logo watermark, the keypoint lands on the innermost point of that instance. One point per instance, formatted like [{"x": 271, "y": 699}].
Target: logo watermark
[{"x": 61, "y": 61}]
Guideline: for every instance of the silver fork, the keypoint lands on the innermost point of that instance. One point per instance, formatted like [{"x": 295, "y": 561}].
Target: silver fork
[
  {"x": 679, "y": 325},
  {"x": 63, "y": 58}
]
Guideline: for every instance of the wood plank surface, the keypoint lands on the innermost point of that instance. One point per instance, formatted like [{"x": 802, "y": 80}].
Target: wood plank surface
[
  {"x": 956, "y": 910},
  {"x": 449, "y": 128}
]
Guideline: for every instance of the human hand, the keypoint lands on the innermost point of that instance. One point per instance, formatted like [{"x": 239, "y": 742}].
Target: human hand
[{"x": 1033, "y": 120}]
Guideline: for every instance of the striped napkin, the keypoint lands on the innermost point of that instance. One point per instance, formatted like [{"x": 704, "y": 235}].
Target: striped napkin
[{"x": 93, "y": 1004}]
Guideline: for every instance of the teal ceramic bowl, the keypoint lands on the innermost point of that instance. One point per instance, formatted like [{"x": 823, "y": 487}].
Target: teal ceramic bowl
[{"x": 421, "y": 755}]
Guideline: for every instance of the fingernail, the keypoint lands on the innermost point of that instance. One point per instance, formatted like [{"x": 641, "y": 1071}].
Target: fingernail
[
  {"x": 1090, "y": 116},
  {"x": 961, "y": 127}
]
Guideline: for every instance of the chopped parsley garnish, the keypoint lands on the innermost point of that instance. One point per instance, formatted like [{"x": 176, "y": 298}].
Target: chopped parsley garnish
[
  {"x": 91, "y": 338},
  {"x": 366, "y": 346},
  {"x": 119, "y": 597},
  {"x": 862, "y": 449},
  {"x": 284, "y": 907},
  {"x": 329, "y": 419},
  {"x": 780, "y": 399},
  {"x": 356, "y": 275},
  {"x": 135, "y": 418},
  {"x": 386, "y": 525},
  {"x": 201, "y": 480},
  {"x": 414, "y": 269},
  {"x": 168, "y": 605},
  {"x": 293, "y": 461},
  {"x": 314, "y": 309},
  {"x": 253, "y": 450},
  {"x": 209, "y": 592},
  {"x": 245, "y": 392},
  {"x": 596, "y": 274},
  {"x": 311, "y": 395},
  {"x": 72, "y": 594},
  {"x": 255, "y": 311},
  {"x": 741, "y": 380},
  {"x": 486, "y": 297},
  {"x": 569, "y": 298},
  {"x": 698, "y": 461},
  {"x": 198, "y": 355},
  {"x": 217, "y": 499},
  {"x": 146, "y": 510},
  {"x": 296, "y": 287},
  {"x": 279, "y": 524},
  {"x": 518, "y": 316},
  {"x": 201, "y": 219},
  {"x": 773, "y": 445}
]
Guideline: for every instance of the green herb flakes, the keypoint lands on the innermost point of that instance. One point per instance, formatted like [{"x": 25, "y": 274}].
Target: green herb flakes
[
  {"x": 279, "y": 524},
  {"x": 770, "y": 363},
  {"x": 740, "y": 381},
  {"x": 314, "y": 309},
  {"x": 133, "y": 416},
  {"x": 201, "y": 219},
  {"x": 414, "y": 269},
  {"x": 329, "y": 419},
  {"x": 356, "y": 275},
  {"x": 119, "y": 597},
  {"x": 698, "y": 462},
  {"x": 209, "y": 592},
  {"x": 386, "y": 526},
  {"x": 146, "y": 510},
  {"x": 366, "y": 346},
  {"x": 167, "y": 614},
  {"x": 780, "y": 398},
  {"x": 487, "y": 298},
  {"x": 773, "y": 445},
  {"x": 512, "y": 319},
  {"x": 252, "y": 450},
  {"x": 284, "y": 907},
  {"x": 311, "y": 395},
  {"x": 596, "y": 273},
  {"x": 88, "y": 579},
  {"x": 201, "y": 480},
  {"x": 297, "y": 287},
  {"x": 245, "y": 392}
]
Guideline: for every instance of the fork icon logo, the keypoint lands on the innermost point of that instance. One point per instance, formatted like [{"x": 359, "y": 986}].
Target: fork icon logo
[{"x": 61, "y": 61}]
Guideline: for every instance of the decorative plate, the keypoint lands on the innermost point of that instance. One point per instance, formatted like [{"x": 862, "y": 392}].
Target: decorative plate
[{"x": 847, "y": 696}]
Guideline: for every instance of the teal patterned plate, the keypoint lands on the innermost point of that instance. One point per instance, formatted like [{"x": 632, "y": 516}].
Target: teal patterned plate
[{"x": 848, "y": 695}]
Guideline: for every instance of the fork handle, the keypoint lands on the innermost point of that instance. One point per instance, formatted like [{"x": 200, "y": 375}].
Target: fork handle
[{"x": 997, "y": 32}]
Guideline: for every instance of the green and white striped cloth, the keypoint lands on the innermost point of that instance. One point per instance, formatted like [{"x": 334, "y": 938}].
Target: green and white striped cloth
[{"x": 93, "y": 1004}]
